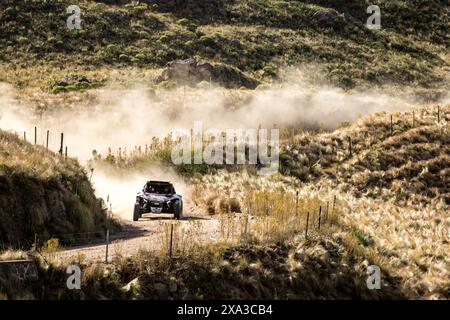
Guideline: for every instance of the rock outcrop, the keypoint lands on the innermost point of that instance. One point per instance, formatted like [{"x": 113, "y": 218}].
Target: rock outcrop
[{"x": 191, "y": 72}]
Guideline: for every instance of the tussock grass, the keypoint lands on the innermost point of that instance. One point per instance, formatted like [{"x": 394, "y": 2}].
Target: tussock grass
[{"x": 411, "y": 164}]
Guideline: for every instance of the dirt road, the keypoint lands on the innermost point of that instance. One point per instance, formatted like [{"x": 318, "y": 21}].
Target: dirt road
[{"x": 149, "y": 233}]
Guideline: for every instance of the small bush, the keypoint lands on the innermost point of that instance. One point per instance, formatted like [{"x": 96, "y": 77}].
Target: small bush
[
  {"x": 124, "y": 58},
  {"x": 183, "y": 22},
  {"x": 167, "y": 84},
  {"x": 51, "y": 246},
  {"x": 269, "y": 71},
  {"x": 207, "y": 41},
  {"x": 58, "y": 89},
  {"x": 364, "y": 239}
]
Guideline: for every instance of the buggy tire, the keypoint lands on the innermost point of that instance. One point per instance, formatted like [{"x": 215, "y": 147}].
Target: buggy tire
[
  {"x": 136, "y": 212},
  {"x": 178, "y": 212}
]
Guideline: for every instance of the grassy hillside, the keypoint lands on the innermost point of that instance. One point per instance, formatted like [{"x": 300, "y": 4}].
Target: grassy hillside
[
  {"x": 257, "y": 37},
  {"x": 44, "y": 194},
  {"x": 412, "y": 162}
]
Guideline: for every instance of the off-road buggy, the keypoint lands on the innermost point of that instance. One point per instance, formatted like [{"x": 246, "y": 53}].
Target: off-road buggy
[{"x": 158, "y": 197}]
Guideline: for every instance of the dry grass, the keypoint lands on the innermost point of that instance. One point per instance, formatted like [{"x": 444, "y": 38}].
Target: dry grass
[
  {"x": 12, "y": 255},
  {"x": 32, "y": 160},
  {"x": 270, "y": 208},
  {"x": 411, "y": 164},
  {"x": 411, "y": 243}
]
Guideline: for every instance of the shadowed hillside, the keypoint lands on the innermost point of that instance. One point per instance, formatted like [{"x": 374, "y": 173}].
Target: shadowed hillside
[{"x": 44, "y": 194}]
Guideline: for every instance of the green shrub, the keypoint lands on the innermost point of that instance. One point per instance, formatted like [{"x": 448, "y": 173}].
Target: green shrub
[
  {"x": 58, "y": 89},
  {"x": 183, "y": 22},
  {"x": 207, "y": 41},
  {"x": 140, "y": 56},
  {"x": 144, "y": 34},
  {"x": 167, "y": 84},
  {"x": 364, "y": 239},
  {"x": 51, "y": 246},
  {"x": 22, "y": 40},
  {"x": 269, "y": 71},
  {"x": 189, "y": 44},
  {"x": 123, "y": 57}
]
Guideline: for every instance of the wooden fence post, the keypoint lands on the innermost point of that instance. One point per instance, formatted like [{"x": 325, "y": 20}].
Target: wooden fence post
[
  {"x": 391, "y": 126},
  {"x": 107, "y": 246},
  {"x": 320, "y": 215},
  {"x": 62, "y": 145},
  {"x": 48, "y": 135},
  {"x": 307, "y": 224},
  {"x": 25, "y": 135},
  {"x": 65, "y": 154},
  {"x": 92, "y": 172},
  {"x": 350, "y": 145},
  {"x": 296, "y": 203},
  {"x": 171, "y": 241},
  {"x": 35, "y": 135},
  {"x": 313, "y": 220}
]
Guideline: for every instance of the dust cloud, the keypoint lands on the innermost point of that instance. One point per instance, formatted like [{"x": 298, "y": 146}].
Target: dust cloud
[{"x": 126, "y": 118}]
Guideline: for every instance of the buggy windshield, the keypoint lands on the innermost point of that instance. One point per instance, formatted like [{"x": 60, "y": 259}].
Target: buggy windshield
[{"x": 158, "y": 188}]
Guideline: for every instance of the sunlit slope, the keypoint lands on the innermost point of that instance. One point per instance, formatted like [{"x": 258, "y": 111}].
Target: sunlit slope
[{"x": 408, "y": 160}]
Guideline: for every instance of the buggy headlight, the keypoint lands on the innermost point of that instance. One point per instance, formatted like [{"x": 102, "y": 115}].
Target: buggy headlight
[{"x": 140, "y": 200}]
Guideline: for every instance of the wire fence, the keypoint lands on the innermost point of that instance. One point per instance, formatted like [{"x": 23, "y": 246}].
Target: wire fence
[{"x": 261, "y": 221}]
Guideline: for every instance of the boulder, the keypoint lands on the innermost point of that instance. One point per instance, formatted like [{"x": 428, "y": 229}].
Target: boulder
[
  {"x": 348, "y": 17},
  {"x": 328, "y": 18},
  {"x": 180, "y": 70},
  {"x": 71, "y": 80},
  {"x": 190, "y": 72}
]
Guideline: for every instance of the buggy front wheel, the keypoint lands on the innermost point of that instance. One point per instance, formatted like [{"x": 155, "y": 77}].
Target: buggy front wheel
[
  {"x": 178, "y": 212},
  {"x": 136, "y": 212}
]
